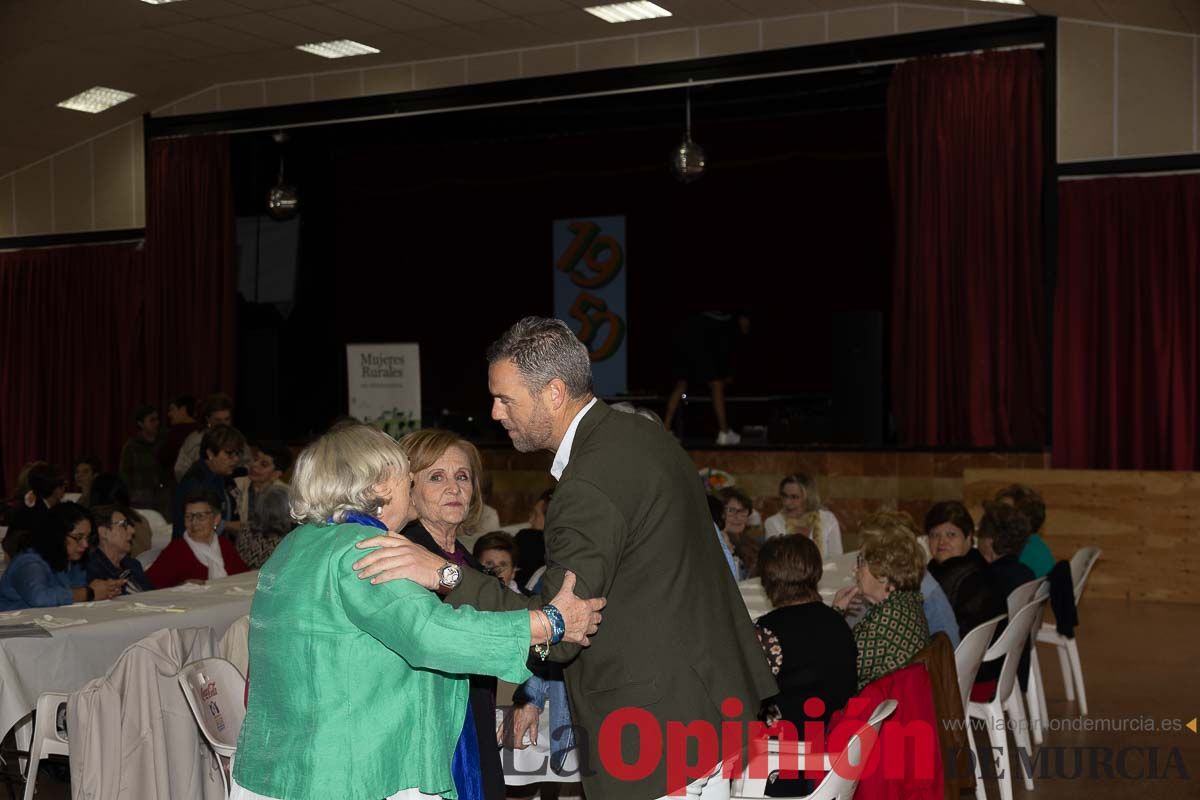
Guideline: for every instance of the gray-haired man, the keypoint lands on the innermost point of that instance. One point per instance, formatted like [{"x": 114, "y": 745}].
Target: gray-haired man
[{"x": 630, "y": 519}]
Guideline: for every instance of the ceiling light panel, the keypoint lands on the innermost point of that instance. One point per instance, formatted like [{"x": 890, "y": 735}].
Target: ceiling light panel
[
  {"x": 96, "y": 99},
  {"x": 628, "y": 12},
  {"x": 338, "y": 48}
]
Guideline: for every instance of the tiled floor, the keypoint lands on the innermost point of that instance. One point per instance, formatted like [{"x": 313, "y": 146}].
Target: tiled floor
[{"x": 1140, "y": 662}]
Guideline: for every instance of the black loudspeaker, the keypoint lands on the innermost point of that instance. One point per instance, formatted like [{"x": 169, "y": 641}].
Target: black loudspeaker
[
  {"x": 258, "y": 383},
  {"x": 858, "y": 377}
]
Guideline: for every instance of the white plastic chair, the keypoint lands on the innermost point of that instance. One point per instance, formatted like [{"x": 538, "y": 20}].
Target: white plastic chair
[
  {"x": 160, "y": 528},
  {"x": 841, "y": 769},
  {"x": 1035, "y": 693},
  {"x": 1068, "y": 653},
  {"x": 46, "y": 740},
  {"x": 968, "y": 657},
  {"x": 215, "y": 692},
  {"x": 1020, "y": 597},
  {"x": 1007, "y": 699}
]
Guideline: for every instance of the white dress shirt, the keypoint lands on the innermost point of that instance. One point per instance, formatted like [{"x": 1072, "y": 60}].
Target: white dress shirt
[{"x": 563, "y": 456}]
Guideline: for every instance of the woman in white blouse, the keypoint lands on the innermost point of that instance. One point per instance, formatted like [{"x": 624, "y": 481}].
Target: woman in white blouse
[{"x": 802, "y": 513}]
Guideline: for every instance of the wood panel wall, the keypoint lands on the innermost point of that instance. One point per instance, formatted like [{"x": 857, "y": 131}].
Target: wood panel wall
[{"x": 1146, "y": 523}]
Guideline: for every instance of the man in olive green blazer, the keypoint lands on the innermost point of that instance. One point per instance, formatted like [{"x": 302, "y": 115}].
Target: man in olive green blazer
[{"x": 629, "y": 517}]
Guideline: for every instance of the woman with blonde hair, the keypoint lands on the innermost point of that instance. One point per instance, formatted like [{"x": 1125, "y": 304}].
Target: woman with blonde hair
[
  {"x": 890, "y": 567},
  {"x": 802, "y": 512},
  {"x": 939, "y": 613},
  {"x": 359, "y": 689},
  {"x": 447, "y": 502}
]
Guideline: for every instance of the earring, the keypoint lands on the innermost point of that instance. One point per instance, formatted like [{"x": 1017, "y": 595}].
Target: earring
[{"x": 379, "y": 511}]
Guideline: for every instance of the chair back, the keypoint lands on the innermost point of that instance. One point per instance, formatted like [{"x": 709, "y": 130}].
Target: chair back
[
  {"x": 160, "y": 529},
  {"x": 1019, "y": 597},
  {"x": 215, "y": 691},
  {"x": 968, "y": 656},
  {"x": 1081, "y": 567},
  {"x": 1011, "y": 643},
  {"x": 841, "y": 780},
  {"x": 235, "y": 644}
]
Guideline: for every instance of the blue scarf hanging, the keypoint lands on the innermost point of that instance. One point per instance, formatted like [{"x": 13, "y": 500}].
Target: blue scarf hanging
[{"x": 468, "y": 781}]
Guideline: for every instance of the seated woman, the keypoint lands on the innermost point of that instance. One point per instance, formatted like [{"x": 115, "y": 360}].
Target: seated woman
[
  {"x": 1036, "y": 553},
  {"x": 1003, "y": 533},
  {"x": 958, "y": 567},
  {"x": 109, "y": 490},
  {"x": 199, "y": 555},
  {"x": 894, "y": 629},
  {"x": 496, "y": 553},
  {"x": 742, "y": 538},
  {"x": 269, "y": 523},
  {"x": 110, "y": 558},
  {"x": 808, "y": 645},
  {"x": 939, "y": 614},
  {"x": 383, "y": 666},
  {"x": 48, "y": 572},
  {"x": 802, "y": 513}
]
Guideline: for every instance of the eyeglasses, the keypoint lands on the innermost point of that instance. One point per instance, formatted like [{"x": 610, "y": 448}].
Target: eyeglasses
[
  {"x": 860, "y": 561},
  {"x": 120, "y": 523},
  {"x": 197, "y": 516},
  {"x": 78, "y": 537},
  {"x": 734, "y": 511}
]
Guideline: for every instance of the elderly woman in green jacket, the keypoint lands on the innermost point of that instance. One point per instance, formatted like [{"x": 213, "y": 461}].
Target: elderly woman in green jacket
[{"x": 358, "y": 691}]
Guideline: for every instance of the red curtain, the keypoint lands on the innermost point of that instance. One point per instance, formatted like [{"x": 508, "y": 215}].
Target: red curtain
[
  {"x": 89, "y": 333},
  {"x": 72, "y": 342},
  {"x": 1126, "y": 343},
  {"x": 968, "y": 322},
  {"x": 190, "y": 240}
]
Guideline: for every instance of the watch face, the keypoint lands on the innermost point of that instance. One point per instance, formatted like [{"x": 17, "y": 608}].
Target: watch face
[{"x": 450, "y": 575}]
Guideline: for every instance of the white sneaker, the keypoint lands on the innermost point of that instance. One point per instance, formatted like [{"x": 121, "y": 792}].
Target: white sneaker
[{"x": 728, "y": 437}]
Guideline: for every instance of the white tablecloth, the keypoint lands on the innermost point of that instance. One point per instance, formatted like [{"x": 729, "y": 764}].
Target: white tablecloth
[
  {"x": 72, "y": 656},
  {"x": 836, "y": 573}
]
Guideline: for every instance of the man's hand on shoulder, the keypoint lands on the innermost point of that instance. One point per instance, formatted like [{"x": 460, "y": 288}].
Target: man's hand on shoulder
[{"x": 398, "y": 558}]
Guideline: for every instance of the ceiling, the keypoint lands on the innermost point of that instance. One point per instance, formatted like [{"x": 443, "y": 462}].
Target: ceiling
[{"x": 52, "y": 49}]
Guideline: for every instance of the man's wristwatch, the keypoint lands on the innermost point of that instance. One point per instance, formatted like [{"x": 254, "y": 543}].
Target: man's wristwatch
[{"x": 449, "y": 576}]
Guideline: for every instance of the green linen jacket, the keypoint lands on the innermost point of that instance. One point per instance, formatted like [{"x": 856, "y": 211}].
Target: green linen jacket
[
  {"x": 358, "y": 690},
  {"x": 629, "y": 517}
]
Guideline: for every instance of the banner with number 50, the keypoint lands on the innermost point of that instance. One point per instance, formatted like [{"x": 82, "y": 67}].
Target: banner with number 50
[{"x": 589, "y": 293}]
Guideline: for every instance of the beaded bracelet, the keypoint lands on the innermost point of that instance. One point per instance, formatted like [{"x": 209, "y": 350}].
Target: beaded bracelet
[{"x": 558, "y": 628}]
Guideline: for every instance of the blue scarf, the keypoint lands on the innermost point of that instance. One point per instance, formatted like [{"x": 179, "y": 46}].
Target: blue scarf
[{"x": 468, "y": 781}]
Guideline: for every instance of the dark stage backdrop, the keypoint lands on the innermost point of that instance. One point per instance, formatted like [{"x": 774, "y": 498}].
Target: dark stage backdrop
[{"x": 438, "y": 230}]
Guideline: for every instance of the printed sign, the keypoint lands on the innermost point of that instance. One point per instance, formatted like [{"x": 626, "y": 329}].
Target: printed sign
[
  {"x": 385, "y": 385},
  {"x": 589, "y": 293}
]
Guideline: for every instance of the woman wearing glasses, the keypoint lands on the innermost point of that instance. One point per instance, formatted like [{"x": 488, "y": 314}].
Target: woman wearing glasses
[
  {"x": 110, "y": 557},
  {"x": 47, "y": 573},
  {"x": 802, "y": 512},
  {"x": 743, "y": 538},
  {"x": 200, "y": 554}
]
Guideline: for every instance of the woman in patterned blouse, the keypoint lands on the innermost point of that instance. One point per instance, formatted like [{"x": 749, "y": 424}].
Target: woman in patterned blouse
[{"x": 890, "y": 567}]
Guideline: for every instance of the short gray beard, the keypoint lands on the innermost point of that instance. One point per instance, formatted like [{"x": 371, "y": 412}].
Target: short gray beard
[{"x": 538, "y": 434}]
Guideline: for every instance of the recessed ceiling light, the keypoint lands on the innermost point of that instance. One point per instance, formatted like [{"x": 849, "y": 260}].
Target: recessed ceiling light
[
  {"x": 339, "y": 48},
  {"x": 96, "y": 99},
  {"x": 1006, "y": 2},
  {"x": 159, "y": 2},
  {"x": 628, "y": 12}
]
